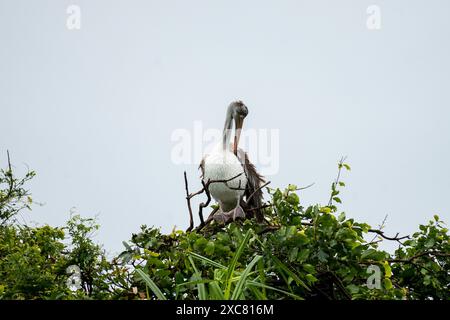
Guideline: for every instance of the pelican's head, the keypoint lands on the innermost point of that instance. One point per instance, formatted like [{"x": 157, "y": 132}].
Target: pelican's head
[{"x": 238, "y": 111}]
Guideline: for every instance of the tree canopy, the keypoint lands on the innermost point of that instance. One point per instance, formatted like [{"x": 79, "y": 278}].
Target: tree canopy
[{"x": 300, "y": 252}]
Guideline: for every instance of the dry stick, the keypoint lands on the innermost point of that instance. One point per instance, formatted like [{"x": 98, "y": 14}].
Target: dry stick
[
  {"x": 208, "y": 220},
  {"x": 303, "y": 188},
  {"x": 380, "y": 227},
  {"x": 204, "y": 204},
  {"x": 411, "y": 259},
  {"x": 394, "y": 238},
  {"x": 188, "y": 199},
  {"x": 341, "y": 285},
  {"x": 204, "y": 189},
  {"x": 208, "y": 195},
  {"x": 259, "y": 188},
  {"x": 261, "y": 207},
  {"x": 10, "y": 176}
]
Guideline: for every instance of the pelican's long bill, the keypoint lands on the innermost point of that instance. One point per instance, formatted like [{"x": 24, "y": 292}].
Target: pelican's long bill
[{"x": 238, "y": 121}]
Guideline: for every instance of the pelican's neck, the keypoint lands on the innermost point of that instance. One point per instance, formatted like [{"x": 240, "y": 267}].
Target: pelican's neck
[{"x": 227, "y": 129}]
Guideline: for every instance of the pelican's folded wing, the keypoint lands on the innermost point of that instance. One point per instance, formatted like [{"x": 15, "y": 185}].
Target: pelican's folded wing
[{"x": 255, "y": 180}]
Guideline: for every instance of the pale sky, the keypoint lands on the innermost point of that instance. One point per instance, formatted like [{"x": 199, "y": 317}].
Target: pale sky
[{"x": 92, "y": 111}]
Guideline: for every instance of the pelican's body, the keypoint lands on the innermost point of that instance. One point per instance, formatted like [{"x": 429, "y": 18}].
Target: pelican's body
[
  {"x": 230, "y": 165},
  {"x": 223, "y": 164}
]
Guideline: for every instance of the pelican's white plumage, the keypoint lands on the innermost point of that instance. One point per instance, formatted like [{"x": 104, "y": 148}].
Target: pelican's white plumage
[
  {"x": 227, "y": 162},
  {"x": 223, "y": 164}
]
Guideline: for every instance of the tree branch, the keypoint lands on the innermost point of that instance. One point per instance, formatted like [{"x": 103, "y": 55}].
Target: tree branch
[{"x": 188, "y": 200}]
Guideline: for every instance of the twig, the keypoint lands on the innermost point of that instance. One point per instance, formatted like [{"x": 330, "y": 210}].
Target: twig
[
  {"x": 188, "y": 200},
  {"x": 394, "y": 238},
  {"x": 303, "y": 188},
  {"x": 205, "y": 189},
  {"x": 208, "y": 220},
  {"x": 10, "y": 176},
  {"x": 419, "y": 255},
  {"x": 204, "y": 205},
  {"x": 380, "y": 227},
  {"x": 341, "y": 285},
  {"x": 259, "y": 188},
  {"x": 336, "y": 182},
  {"x": 261, "y": 207}
]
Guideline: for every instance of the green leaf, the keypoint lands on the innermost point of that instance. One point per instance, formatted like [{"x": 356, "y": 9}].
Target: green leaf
[
  {"x": 353, "y": 288},
  {"x": 233, "y": 264},
  {"x": 206, "y": 260},
  {"x": 311, "y": 278},
  {"x": 289, "y": 272},
  {"x": 215, "y": 291},
  {"x": 325, "y": 210},
  {"x": 197, "y": 277},
  {"x": 309, "y": 268},
  {"x": 293, "y": 199},
  {"x": 429, "y": 243},
  {"x": 149, "y": 282},
  {"x": 262, "y": 285},
  {"x": 373, "y": 254},
  {"x": 209, "y": 249},
  {"x": 387, "y": 284},
  {"x": 387, "y": 269},
  {"x": 126, "y": 245},
  {"x": 322, "y": 255},
  {"x": 238, "y": 290},
  {"x": 293, "y": 254}
]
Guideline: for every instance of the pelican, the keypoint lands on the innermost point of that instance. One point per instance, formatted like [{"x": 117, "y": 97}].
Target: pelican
[{"x": 229, "y": 163}]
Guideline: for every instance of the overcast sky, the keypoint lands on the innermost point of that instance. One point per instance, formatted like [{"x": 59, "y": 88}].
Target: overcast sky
[{"x": 93, "y": 110}]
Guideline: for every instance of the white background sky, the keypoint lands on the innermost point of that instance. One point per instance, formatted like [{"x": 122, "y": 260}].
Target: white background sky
[{"x": 92, "y": 110}]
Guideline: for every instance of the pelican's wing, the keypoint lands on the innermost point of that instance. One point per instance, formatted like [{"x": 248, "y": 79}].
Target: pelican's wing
[{"x": 254, "y": 181}]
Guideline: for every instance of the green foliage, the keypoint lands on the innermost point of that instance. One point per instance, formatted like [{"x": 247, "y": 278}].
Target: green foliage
[
  {"x": 303, "y": 252},
  {"x": 422, "y": 264},
  {"x": 13, "y": 197},
  {"x": 31, "y": 263}
]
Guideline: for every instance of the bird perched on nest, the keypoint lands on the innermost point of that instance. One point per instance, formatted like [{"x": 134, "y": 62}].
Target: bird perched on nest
[{"x": 227, "y": 162}]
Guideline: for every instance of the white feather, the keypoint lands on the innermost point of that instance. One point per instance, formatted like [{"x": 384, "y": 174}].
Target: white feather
[{"x": 222, "y": 164}]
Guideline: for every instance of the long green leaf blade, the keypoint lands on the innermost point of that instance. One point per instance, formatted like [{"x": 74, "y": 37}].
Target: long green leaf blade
[
  {"x": 262, "y": 285},
  {"x": 294, "y": 276},
  {"x": 233, "y": 264},
  {"x": 149, "y": 282},
  {"x": 200, "y": 286},
  {"x": 206, "y": 260},
  {"x": 238, "y": 290}
]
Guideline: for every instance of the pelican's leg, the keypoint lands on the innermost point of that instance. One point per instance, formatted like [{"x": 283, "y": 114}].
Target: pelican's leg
[
  {"x": 220, "y": 216},
  {"x": 237, "y": 212}
]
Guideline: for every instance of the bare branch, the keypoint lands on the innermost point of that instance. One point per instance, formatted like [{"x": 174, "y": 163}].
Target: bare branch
[
  {"x": 188, "y": 199},
  {"x": 204, "y": 189},
  {"x": 256, "y": 190},
  {"x": 394, "y": 238},
  {"x": 303, "y": 188}
]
